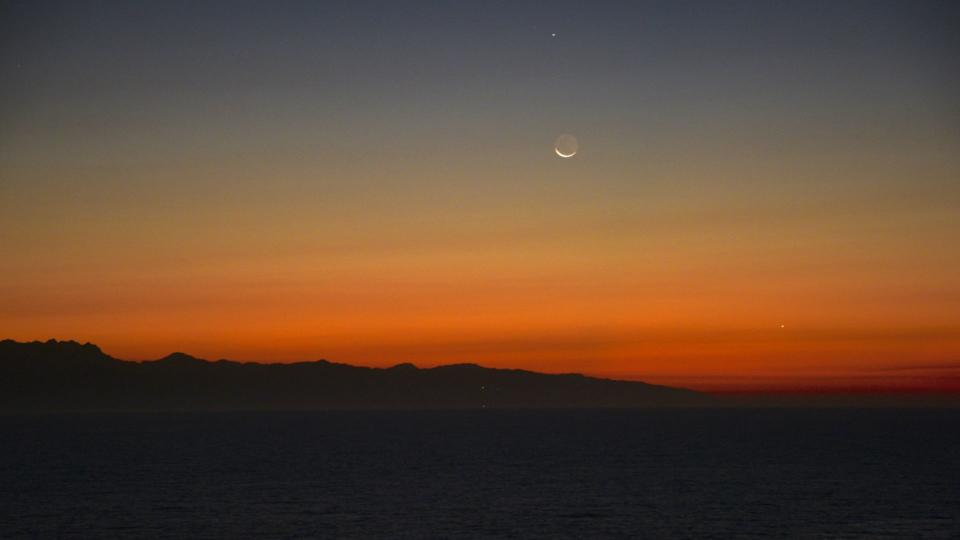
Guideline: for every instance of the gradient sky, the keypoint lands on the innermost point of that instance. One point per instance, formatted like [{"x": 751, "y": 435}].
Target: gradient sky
[{"x": 766, "y": 197}]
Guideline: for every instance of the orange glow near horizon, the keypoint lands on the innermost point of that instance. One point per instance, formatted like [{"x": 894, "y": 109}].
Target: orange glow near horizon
[{"x": 764, "y": 320}]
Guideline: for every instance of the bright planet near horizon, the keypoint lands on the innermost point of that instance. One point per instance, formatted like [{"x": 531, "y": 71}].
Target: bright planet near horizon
[{"x": 566, "y": 146}]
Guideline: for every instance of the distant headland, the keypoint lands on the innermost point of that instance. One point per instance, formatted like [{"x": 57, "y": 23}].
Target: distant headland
[{"x": 69, "y": 376}]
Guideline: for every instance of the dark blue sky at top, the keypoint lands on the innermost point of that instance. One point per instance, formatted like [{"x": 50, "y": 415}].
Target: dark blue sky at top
[{"x": 500, "y": 53}]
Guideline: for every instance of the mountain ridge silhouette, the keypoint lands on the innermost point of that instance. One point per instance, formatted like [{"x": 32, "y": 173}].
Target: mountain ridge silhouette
[{"x": 70, "y": 376}]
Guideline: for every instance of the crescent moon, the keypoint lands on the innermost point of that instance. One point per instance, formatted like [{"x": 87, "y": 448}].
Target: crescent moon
[{"x": 561, "y": 154}]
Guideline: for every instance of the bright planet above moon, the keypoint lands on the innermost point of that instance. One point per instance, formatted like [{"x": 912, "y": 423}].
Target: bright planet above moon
[{"x": 566, "y": 146}]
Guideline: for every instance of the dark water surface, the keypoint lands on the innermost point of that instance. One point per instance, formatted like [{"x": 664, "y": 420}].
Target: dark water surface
[{"x": 549, "y": 474}]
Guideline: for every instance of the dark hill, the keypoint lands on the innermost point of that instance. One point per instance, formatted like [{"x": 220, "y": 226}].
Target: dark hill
[{"x": 68, "y": 376}]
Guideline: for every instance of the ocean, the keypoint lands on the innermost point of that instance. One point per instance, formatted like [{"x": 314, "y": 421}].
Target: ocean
[{"x": 667, "y": 473}]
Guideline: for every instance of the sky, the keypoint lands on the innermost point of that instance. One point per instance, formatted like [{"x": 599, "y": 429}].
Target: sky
[{"x": 765, "y": 197}]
